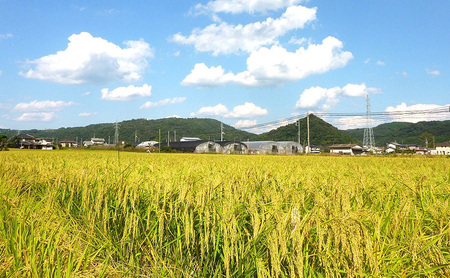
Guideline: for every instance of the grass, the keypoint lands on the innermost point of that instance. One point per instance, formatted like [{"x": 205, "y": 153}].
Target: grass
[{"x": 82, "y": 214}]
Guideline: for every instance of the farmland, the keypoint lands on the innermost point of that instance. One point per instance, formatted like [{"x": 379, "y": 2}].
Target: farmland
[{"x": 109, "y": 214}]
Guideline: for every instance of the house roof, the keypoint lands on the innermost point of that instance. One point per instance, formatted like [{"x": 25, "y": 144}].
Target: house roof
[
  {"x": 345, "y": 146},
  {"x": 25, "y": 136},
  {"x": 444, "y": 144}
]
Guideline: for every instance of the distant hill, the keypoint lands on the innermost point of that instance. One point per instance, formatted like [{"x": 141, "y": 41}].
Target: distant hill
[
  {"x": 406, "y": 132},
  {"x": 321, "y": 133},
  {"x": 145, "y": 129}
]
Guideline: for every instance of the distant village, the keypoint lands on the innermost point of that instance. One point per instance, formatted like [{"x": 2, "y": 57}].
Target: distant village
[{"x": 197, "y": 145}]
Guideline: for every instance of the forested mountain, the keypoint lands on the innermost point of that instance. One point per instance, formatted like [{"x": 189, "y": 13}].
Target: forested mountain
[
  {"x": 144, "y": 129},
  {"x": 321, "y": 133},
  {"x": 406, "y": 132}
]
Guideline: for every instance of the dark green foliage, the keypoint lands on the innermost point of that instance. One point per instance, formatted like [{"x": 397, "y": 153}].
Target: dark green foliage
[
  {"x": 321, "y": 133},
  {"x": 3, "y": 142},
  {"x": 147, "y": 130},
  {"x": 407, "y": 132}
]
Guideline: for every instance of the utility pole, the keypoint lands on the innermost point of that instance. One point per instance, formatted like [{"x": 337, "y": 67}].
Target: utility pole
[
  {"x": 297, "y": 123},
  {"x": 135, "y": 136},
  {"x": 221, "y": 132},
  {"x": 168, "y": 138},
  {"x": 159, "y": 145},
  {"x": 174, "y": 135},
  {"x": 116, "y": 134},
  {"x": 307, "y": 121}
]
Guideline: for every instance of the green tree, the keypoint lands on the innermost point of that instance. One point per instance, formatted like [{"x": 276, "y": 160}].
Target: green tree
[
  {"x": 14, "y": 142},
  {"x": 427, "y": 138},
  {"x": 3, "y": 142}
]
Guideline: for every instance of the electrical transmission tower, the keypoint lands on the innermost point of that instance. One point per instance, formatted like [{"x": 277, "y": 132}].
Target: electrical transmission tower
[{"x": 369, "y": 139}]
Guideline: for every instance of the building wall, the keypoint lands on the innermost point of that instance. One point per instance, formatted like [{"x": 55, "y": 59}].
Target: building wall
[
  {"x": 443, "y": 150},
  {"x": 342, "y": 151}
]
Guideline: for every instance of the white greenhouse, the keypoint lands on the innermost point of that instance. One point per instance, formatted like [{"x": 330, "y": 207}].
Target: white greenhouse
[
  {"x": 262, "y": 147},
  {"x": 289, "y": 147},
  {"x": 193, "y": 146},
  {"x": 232, "y": 147}
]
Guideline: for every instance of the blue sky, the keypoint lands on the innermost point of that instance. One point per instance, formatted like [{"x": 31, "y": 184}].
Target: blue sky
[{"x": 74, "y": 63}]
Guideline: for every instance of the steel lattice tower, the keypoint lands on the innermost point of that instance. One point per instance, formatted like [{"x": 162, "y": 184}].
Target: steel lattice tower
[{"x": 369, "y": 139}]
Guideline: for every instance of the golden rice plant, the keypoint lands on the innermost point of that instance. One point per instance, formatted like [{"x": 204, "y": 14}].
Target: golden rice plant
[{"x": 97, "y": 214}]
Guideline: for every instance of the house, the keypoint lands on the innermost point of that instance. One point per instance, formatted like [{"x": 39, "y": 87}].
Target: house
[
  {"x": 443, "y": 148},
  {"x": 233, "y": 147},
  {"x": 30, "y": 142},
  {"x": 199, "y": 146},
  {"x": 348, "y": 149},
  {"x": 94, "y": 141},
  {"x": 312, "y": 149},
  {"x": 68, "y": 143},
  {"x": 402, "y": 147}
]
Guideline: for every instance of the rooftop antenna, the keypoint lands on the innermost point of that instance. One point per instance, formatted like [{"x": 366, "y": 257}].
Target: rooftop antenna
[{"x": 369, "y": 139}]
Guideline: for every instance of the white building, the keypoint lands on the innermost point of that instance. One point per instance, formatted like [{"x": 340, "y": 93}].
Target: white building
[
  {"x": 348, "y": 149},
  {"x": 94, "y": 141},
  {"x": 147, "y": 144},
  {"x": 443, "y": 148}
]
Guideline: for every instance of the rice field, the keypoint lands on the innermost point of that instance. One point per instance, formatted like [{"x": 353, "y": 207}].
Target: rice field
[{"x": 109, "y": 214}]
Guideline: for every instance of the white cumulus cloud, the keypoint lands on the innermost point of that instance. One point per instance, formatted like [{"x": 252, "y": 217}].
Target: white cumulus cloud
[
  {"x": 274, "y": 66},
  {"x": 397, "y": 115},
  {"x": 173, "y": 116},
  {"x": 434, "y": 72},
  {"x": 355, "y": 122},
  {"x": 163, "y": 102},
  {"x": 311, "y": 97},
  {"x": 36, "y": 117},
  {"x": 6, "y": 36},
  {"x": 127, "y": 93},
  {"x": 46, "y": 105},
  {"x": 247, "y": 110},
  {"x": 245, "y": 123},
  {"x": 226, "y": 38},
  {"x": 218, "y": 110},
  {"x": 87, "y": 114},
  {"x": 89, "y": 59},
  {"x": 242, "y": 6}
]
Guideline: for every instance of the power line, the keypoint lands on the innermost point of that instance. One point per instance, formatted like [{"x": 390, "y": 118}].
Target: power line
[{"x": 376, "y": 115}]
